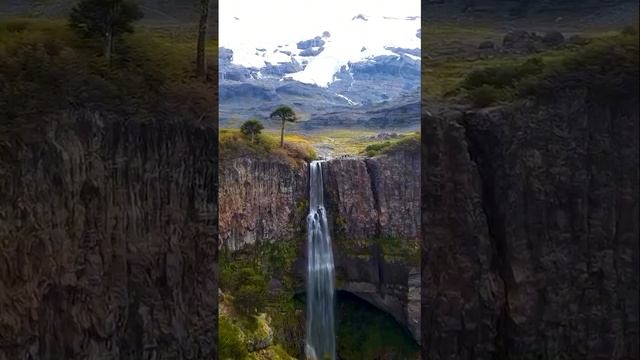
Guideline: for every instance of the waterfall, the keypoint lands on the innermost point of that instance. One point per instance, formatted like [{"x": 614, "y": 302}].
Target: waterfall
[{"x": 320, "y": 339}]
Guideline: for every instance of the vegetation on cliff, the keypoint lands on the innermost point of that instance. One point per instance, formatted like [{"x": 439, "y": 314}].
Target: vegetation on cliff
[
  {"x": 46, "y": 69},
  {"x": 259, "y": 291},
  {"x": 409, "y": 142},
  {"x": 606, "y": 62},
  {"x": 608, "y": 66},
  {"x": 266, "y": 145}
]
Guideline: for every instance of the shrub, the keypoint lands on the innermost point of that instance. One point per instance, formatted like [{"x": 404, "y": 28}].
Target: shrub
[
  {"x": 410, "y": 142},
  {"x": 251, "y": 129},
  {"x": 500, "y": 77},
  {"x": 296, "y": 150},
  {"x": 376, "y": 149},
  {"x": 629, "y": 30},
  {"x": 484, "y": 95},
  {"x": 607, "y": 67},
  {"x": 250, "y": 293},
  {"x": 231, "y": 340},
  {"x": 17, "y": 25}
]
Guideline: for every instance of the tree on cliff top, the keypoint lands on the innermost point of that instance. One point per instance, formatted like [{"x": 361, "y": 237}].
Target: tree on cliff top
[
  {"x": 106, "y": 20},
  {"x": 284, "y": 114},
  {"x": 251, "y": 128}
]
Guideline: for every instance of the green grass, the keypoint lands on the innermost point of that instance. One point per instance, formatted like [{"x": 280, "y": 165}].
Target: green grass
[
  {"x": 342, "y": 141},
  {"x": 485, "y": 80},
  {"x": 231, "y": 340},
  {"x": 405, "y": 142},
  {"x": 297, "y": 149},
  {"x": 608, "y": 68}
]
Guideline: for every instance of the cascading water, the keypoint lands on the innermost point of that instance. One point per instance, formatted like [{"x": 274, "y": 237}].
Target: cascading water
[{"x": 320, "y": 341}]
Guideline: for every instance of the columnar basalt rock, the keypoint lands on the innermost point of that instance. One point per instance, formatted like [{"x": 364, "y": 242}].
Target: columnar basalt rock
[
  {"x": 261, "y": 200},
  {"x": 531, "y": 230},
  {"x": 370, "y": 200},
  {"x": 108, "y": 241}
]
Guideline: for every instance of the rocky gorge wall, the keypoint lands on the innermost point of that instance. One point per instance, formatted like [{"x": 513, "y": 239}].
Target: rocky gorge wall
[
  {"x": 374, "y": 210},
  {"x": 261, "y": 200},
  {"x": 369, "y": 201},
  {"x": 108, "y": 243},
  {"x": 530, "y": 230}
]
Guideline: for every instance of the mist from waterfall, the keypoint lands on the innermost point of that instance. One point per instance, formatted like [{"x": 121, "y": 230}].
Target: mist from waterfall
[{"x": 320, "y": 337}]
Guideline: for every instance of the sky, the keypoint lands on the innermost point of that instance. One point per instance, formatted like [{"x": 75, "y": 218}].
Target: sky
[{"x": 247, "y": 25}]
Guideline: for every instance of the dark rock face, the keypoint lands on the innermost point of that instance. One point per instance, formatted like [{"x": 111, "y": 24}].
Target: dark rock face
[
  {"x": 374, "y": 198},
  {"x": 530, "y": 218},
  {"x": 261, "y": 200},
  {"x": 108, "y": 241},
  {"x": 462, "y": 295}
]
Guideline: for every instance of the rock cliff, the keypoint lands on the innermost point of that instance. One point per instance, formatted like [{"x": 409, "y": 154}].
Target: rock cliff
[
  {"x": 108, "y": 241},
  {"x": 373, "y": 207},
  {"x": 530, "y": 230},
  {"x": 261, "y": 200}
]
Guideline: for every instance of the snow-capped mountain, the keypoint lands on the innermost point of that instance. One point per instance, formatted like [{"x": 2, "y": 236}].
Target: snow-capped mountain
[{"x": 324, "y": 55}]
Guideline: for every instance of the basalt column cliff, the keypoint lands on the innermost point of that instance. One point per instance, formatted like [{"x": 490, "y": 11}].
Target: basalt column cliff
[
  {"x": 530, "y": 229},
  {"x": 108, "y": 241}
]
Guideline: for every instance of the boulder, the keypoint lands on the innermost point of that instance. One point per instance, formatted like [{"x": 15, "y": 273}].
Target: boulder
[{"x": 553, "y": 38}]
